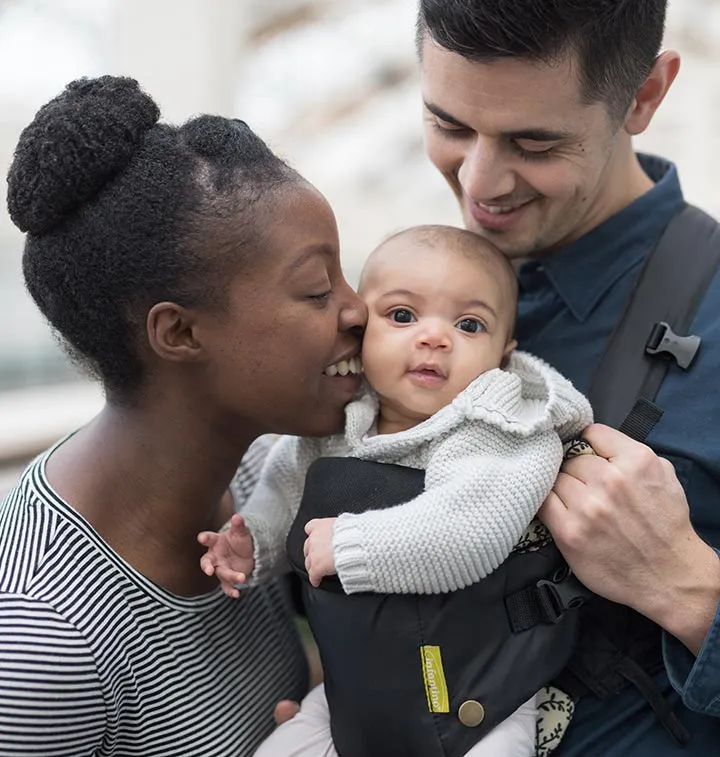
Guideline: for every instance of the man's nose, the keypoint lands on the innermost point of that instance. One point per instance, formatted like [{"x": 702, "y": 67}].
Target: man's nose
[{"x": 486, "y": 173}]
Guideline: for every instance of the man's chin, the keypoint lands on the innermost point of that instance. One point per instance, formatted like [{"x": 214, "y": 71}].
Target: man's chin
[{"x": 512, "y": 246}]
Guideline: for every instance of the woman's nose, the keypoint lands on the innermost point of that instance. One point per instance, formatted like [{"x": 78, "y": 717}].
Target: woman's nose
[{"x": 353, "y": 313}]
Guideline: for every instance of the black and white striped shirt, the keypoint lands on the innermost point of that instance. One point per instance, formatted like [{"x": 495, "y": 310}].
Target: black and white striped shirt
[{"x": 97, "y": 660}]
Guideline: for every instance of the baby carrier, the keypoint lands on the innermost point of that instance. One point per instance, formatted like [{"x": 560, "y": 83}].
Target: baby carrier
[{"x": 430, "y": 675}]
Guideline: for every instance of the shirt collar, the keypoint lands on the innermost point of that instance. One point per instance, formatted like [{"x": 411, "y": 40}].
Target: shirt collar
[{"x": 584, "y": 271}]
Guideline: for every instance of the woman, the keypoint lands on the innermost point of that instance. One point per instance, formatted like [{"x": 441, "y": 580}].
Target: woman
[{"x": 198, "y": 277}]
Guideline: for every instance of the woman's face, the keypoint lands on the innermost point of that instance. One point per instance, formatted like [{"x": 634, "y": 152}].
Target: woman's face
[{"x": 290, "y": 316}]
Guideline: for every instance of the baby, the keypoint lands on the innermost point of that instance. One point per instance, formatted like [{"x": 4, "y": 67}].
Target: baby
[{"x": 445, "y": 392}]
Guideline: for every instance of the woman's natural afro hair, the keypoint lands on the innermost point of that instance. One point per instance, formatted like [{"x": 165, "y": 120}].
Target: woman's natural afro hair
[{"x": 122, "y": 212}]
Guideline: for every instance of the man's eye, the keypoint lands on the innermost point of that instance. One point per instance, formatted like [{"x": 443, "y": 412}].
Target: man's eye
[
  {"x": 401, "y": 315},
  {"x": 470, "y": 325},
  {"x": 448, "y": 129},
  {"x": 538, "y": 151}
]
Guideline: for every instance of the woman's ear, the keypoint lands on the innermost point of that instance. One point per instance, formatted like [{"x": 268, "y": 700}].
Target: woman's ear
[
  {"x": 652, "y": 92},
  {"x": 171, "y": 332}
]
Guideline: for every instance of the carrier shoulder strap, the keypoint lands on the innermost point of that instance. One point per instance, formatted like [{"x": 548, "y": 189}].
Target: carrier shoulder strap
[
  {"x": 617, "y": 646},
  {"x": 650, "y": 332}
]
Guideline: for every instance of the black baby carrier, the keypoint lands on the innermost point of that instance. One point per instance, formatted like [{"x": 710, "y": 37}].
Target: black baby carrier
[
  {"x": 413, "y": 675},
  {"x": 431, "y": 675}
]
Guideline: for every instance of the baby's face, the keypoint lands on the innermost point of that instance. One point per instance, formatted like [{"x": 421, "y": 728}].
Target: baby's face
[{"x": 436, "y": 321}]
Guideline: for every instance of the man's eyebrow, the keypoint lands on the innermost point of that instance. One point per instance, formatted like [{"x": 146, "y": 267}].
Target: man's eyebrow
[
  {"x": 444, "y": 116},
  {"x": 531, "y": 134}
]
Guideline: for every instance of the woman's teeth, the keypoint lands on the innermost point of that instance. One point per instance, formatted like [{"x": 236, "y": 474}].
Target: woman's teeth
[{"x": 344, "y": 367}]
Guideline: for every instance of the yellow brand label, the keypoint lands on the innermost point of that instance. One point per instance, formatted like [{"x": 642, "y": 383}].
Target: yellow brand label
[{"x": 434, "y": 677}]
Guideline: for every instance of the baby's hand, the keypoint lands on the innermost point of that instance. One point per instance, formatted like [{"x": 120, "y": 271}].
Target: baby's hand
[
  {"x": 229, "y": 556},
  {"x": 318, "y": 550}
]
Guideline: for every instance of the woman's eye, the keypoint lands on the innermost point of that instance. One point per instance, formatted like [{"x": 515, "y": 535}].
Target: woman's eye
[
  {"x": 470, "y": 325},
  {"x": 401, "y": 315},
  {"x": 321, "y": 298}
]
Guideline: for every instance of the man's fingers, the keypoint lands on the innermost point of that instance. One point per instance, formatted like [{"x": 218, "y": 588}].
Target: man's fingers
[
  {"x": 553, "y": 512},
  {"x": 609, "y": 442},
  {"x": 285, "y": 710}
]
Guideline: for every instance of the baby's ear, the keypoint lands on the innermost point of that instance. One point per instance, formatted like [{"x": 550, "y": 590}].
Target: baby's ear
[{"x": 509, "y": 349}]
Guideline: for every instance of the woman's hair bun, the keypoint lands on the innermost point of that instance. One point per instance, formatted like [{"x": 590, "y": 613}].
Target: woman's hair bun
[{"x": 76, "y": 144}]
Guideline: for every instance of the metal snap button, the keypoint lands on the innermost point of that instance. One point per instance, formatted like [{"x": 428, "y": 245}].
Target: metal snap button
[{"x": 471, "y": 713}]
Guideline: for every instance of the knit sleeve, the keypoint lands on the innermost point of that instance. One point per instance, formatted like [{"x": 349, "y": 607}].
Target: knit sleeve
[
  {"x": 271, "y": 507},
  {"x": 483, "y": 487}
]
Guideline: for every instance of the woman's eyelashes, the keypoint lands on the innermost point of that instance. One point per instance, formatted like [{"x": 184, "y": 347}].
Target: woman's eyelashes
[{"x": 320, "y": 298}]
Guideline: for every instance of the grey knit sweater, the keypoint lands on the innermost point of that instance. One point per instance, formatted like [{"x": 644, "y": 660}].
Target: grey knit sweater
[{"x": 490, "y": 457}]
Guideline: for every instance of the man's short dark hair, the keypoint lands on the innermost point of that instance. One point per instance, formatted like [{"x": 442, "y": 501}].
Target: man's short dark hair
[{"x": 616, "y": 41}]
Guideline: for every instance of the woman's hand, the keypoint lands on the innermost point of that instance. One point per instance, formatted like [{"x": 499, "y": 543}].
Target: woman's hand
[{"x": 230, "y": 555}]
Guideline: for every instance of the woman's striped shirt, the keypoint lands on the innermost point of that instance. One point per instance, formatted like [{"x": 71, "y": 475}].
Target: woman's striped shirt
[{"x": 97, "y": 660}]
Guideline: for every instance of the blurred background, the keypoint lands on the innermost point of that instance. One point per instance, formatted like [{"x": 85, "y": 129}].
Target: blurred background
[{"x": 330, "y": 84}]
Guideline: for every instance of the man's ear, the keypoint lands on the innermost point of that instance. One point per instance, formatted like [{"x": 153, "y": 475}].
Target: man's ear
[
  {"x": 652, "y": 92},
  {"x": 171, "y": 331},
  {"x": 509, "y": 349}
]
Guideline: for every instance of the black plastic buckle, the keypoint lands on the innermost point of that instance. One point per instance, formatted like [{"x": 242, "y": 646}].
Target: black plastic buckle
[
  {"x": 663, "y": 339},
  {"x": 564, "y": 592}
]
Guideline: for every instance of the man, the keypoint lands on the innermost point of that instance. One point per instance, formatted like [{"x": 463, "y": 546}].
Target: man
[{"x": 530, "y": 110}]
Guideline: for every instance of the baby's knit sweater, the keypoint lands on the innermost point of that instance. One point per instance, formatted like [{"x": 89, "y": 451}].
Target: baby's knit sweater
[{"x": 490, "y": 459}]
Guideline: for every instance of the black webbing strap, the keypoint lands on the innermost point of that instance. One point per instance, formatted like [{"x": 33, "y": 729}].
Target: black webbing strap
[
  {"x": 546, "y": 601},
  {"x": 666, "y": 297},
  {"x": 640, "y": 420},
  {"x": 648, "y": 336}
]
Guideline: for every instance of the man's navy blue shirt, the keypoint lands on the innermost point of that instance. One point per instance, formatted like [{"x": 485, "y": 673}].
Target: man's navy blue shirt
[{"x": 569, "y": 305}]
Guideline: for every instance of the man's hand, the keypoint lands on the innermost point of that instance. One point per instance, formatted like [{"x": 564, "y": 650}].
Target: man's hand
[
  {"x": 230, "y": 555},
  {"x": 622, "y": 522},
  {"x": 318, "y": 549}
]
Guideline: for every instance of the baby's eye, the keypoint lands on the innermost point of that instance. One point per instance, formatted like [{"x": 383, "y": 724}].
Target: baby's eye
[
  {"x": 470, "y": 325},
  {"x": 401, "y": 315}
]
